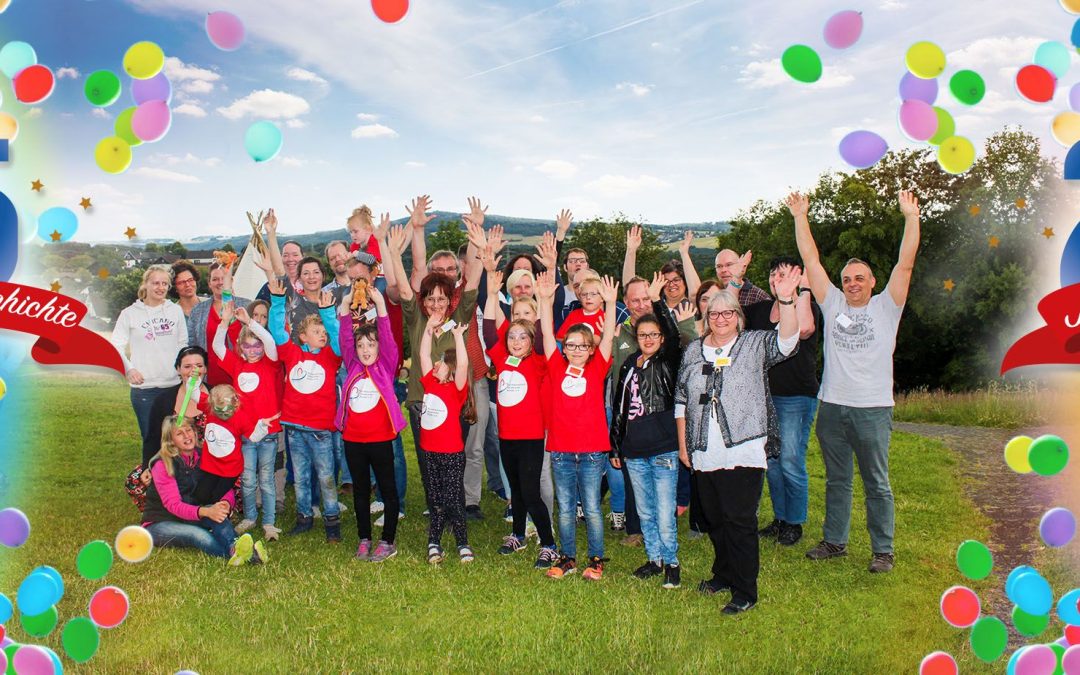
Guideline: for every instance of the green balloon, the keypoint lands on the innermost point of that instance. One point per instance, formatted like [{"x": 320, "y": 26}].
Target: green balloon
[
  {"x": 39, "y": 625},
  {"x": 123, "y": 127},
  {"x": 974, "y": 559},
  {"x": 80, "y": 639},
  {"x": 1059, "y": 651},
  {"x": 94, "y": 560},
  {"x": 10, "y": 651},
  {"x": 1029, "y": 625},
  {"x": 801, "y": 63},
  {"x": 989, "y": 637},
  {"x": 1048, "y": 455},
  {"x": 946, "y": 127},
  {"x": 102, "y": 88},
  {"x": 967, "y": 86}
]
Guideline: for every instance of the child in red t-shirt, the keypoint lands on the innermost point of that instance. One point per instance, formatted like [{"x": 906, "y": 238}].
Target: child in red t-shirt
[
  {"x": 591, "y": 312},
  {"x": 446, "y": 390},
  {"x": 361, "y": 229}
]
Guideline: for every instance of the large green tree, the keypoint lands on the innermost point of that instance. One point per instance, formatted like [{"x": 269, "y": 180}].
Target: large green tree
[
  {"x": 605, "y": 241},
  {"x": 449, "y": 237}
]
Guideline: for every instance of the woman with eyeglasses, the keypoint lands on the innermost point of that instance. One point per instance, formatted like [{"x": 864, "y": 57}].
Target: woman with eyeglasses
[
  {"x": 726, "y": 429},
  {"x": 186, "y": 285},
  {"x": 681, "y": 280}
]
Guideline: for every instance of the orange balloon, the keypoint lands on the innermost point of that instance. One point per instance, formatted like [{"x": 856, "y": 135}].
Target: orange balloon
[
  {"x": 134, "y": 544},
  {"x": 9, "y": 126},
  {"x": 1071, "y": 6}
]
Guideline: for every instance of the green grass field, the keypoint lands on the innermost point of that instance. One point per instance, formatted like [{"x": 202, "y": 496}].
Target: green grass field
[
  {"x": 313, "y": 609},
  {"x": 1007, "y": 407}
]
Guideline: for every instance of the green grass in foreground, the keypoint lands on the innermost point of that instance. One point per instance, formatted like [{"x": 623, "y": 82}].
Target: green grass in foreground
[
  {"x": 1006, "y": 407},
  {"x": 313, "y": 609}
]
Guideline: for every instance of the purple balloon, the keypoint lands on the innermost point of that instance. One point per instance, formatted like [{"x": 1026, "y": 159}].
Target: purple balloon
[
  {"x": 151, "y": 121},
  {"x": 14, "y": 527},
  {"x": 862, "y": 149},
  {"x": 1057, "y": 527},
  {"x": 843, "y": 29},
  {"x": 918, "y": 120},
  {"x": 917, "y": 89},
  {"x": 1036, "y": 659},
  {"x": 1074, "y": 97},
  {"x": 157, "y": 88}
]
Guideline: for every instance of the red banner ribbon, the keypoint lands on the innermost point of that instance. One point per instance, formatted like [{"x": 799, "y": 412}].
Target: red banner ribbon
[
  {"x": 1058, "y": 341},
  {"x": 55, "y": 319}
]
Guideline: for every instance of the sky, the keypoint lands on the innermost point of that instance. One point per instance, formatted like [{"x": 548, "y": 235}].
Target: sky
[{"x": 668, "y": 111}]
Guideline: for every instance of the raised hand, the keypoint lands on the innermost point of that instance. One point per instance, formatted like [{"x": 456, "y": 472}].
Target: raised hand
[
  {"x": 786, "y": 283},
  {"x": 657, "y": 286},
  {"x": 633, "y": 238},
  {"x": 263, "y": 264},
  {"x": 495, "y": 238},
  {"x": 609, "y": 290},
  {"x": 687, "y": 242},
  {"x": 475, "y": 212},
  {"x": 684, "y": 310},
  {"x": 377, "y": 298},
  {"x": 418, "y": 216},
  {"x": 562, "y": 222},
  {"x": 909, "y": 204},
  {"x": 546, "y": 252},
  {"x": 270, "y": 223},
  {"x": 475, "y": 231},
  {"x": 227, "y": 312},
  {"x": 798, "y": 204},
  {"x": 399, "y": 239},
  {"x": 326, "y": 299},
  {"x": 275, "y": 286},
  {"x": 459, "y": 329},
  {"x": 494, "y": 281},
  {"x": 545, "y": 285},
  {"x": 383, "y": 228},
  {"x": 744, "y": 264},
  {"x": 490, "y": 261}
]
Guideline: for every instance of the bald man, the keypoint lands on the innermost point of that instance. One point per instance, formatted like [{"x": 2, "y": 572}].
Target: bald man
[{"x": 730, "y": 269}]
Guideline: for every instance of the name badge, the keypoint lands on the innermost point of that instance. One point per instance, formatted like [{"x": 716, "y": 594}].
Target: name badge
[
  {"x": 513, "y": 361},
  {"x": 844, "y": 320},
  {"x": 370, "y": 315},
  {"x": 575, "y": 371},
  {"x": 446, "y": 327},
  {"x": 723, "y": 361}
]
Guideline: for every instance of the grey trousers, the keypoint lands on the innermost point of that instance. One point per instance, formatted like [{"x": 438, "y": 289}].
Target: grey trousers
[{"x": 474, "y": 445}]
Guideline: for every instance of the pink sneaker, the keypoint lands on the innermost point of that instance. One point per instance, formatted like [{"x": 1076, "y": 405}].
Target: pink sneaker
[
  {"x": 363, "y": 552},
  {"x": 383, "y": 551}
]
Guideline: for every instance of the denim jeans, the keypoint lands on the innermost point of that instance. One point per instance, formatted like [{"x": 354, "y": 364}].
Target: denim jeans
[
  {"x": 789, "y": 485},
  {"x": 141, "y": 402},
  {"x": 654, "y": 480},
  {"x": 577, "y": 478},
  {"x": 259, "y": 475},
  {"x": 496, "y": 481},
  {"x": 310, "y": 447},
  {"x": 616, "y": 482},
  {"x": 341, "y": 467},
  {"x": 216, "y": 541}
]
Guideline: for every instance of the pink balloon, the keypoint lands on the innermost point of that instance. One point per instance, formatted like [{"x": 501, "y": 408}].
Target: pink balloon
[
  {"x": 151, "y": 120},
  {"x": 1036, "y": 660},
  {"x": 33, "y": 660},
  {"x": 938, "y": 663},
  {"x": 918, "y": 120},
  {"x": 1070, "y": 661},
  {"x": 843, "y": 29},
  {"x": 225, "y": 30}
]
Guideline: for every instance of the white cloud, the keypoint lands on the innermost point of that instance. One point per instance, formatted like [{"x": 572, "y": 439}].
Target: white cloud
[
  {"x": 304, "y": 76},
  {"x": 179, "y": 72},
  {"x": 165, "y": 174},
  {"x": 197, "y": 87},
  {"x": 892, "y": 5},
  {"x": 373, "y": 131},
  {"x": 73, "y": 73},
  {"x": 610, "y": 185},
  {"x": 766, "y": 74},
  {"x": 538, "y": 119},
  {"x": 557, "y": 168},
  {"x": 987, "y": 53},
  {"x": 415, "y": 165},
  {"x": 634, "y": 88},
  {"x": 293, "y": 162},
  {"x": 266, "y": 104},
  {"x": 189, "y": 109},
  {"x": 33, "y": 114},
  {"x": 173, "y": 160},
  {"x": 296, "y": 124},
  {"x": 101, "y": 113},
  {"x": 366, "y": 117}
]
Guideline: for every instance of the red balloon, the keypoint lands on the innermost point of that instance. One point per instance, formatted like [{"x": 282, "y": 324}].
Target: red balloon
[
  {"x": 938, "y": 663},
  {"x": 1036, "y": 83},
  {"x": 390, "y": 11},
  {"x": 109, "y": 607},
  {"x": 960, "y": 606},
  {"x": 33, "y": 84},
  {"x": 1072, "y": 635}
]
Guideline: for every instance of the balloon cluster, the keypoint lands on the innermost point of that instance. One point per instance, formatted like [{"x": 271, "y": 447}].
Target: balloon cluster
[
  {"x": 803, "y": 64},
  {"x": 31, "y": 81}
]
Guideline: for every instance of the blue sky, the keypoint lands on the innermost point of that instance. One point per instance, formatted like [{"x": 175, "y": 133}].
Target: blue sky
[{"x": 668, "y": 111}]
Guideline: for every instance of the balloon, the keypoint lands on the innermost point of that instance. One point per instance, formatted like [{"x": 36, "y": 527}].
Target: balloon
[
  {"x": 1070, "y": 6},
  {"x": 390, "y": 11},
  {"x": 1057, "y": 527},
  {"x": 862, "y": 149},
  {"x": 225, "y": 30},
  {"x": 94, "y": 560},
  {"x": 1029, "y": 625},
  {"x": 1059, "y": 652},
  {"x": 36, "y": 593},
  {"x": 917, "y": 89},
  {"x": 1074, "y": 97},
  {"x": 1048, "y": 455},
  {"x": 1074, "y": 37},
  {"x": 974, "y": 559},
  {"x": 989, "y": 637},
  {"x": 1010, "y": 667},
  {"x": 1053, "y": 56},
  {"x": 10, "y": 650},
  {"x": 801, "y": 63},
  {"x": 151, "y": 121},
  {"x": 938, "y": 663},
  {"x": 1032, "y": 594},
  {"x": 1068, "y": 609},
  {"x": 58, "y": 668},
  {"x": 156, "y": 88},
  {"x": 1014, "y": 575},
  {"x": 946, "y": 127},
  {"x": 33, "y": 84},
  {"x": 1016, "y": 451},
  {"x": 112, "y": 155},
  {"x": 9, "y": 127},
  {"x": 57, "y": 219},
  {"x": 1070, "y": 660},
  {"x": 918, "y": 120},
  {"x": 80, "y": 639},
  {"x": 1036, "y": 83},
  {"x": 108, "y": 607},
  {"x": 14, "y": 527},
  {"x": 57, "y": 579},
  {"x": 925, "y": 60},
  {"x": 960, "y": 606},
  {"x": 4, "y": 4},
  {"x": 843, "y": 29},
  {"x": 5, "y": 608},
  {"x": 15, "y": 56},
  {"x": 39, "y": 625},
  {"x": 956, "y": 154},
  {"x": 967, "y": 86},
  {"x": 32, "y": 660},
  {"x": 143, "y": 60},
  {"x": 134, "y": 544},
  {"x": 1036, "y": 659},
  {"x": 122, "y": 127},
  {"x": 1072, "y": 165},
  {"x": 262, "y": 141},
  {"x": 102, "y": 88},
  {"x": 1072, "y": 634}
]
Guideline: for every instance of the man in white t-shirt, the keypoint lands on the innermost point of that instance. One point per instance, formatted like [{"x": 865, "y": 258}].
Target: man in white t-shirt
[{"x": 855, "y": 416}]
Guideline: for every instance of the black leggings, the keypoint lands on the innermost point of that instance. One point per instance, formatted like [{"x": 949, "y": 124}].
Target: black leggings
[
  {"x": 363, "y": 459},
  {"x": 523, "y": 460},
  {"x": 211, "y": 488},
  {"x": 446, "y": 485}
]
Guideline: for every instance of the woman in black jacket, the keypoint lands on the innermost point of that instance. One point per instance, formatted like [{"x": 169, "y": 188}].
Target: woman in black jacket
[{"x": 643, "y": 432}]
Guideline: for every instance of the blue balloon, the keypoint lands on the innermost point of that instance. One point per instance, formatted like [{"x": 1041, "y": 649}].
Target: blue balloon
[
  {"x": 1010, "y": 669},
  {"x": 263, "y": 141},
  {"x": 57, "y": 579},
  {"x": 59, "y": 219},
  {"x": 1053, "y": 56},
  {"x": 36, "y": 593},
  {"x": 1072, "y": 163},
  {"x": 1066, "y": 608},
  {"x": 58, "y": 668},
  {"x": 1011, "y": 579},
  {"x": 1075, "y": 37},
  {"x": 15, "y": 56},
  {"x": 1070, "y": 258},
  {"x": 1032, "y": 594},
  {"x": 5, "y": 608}
]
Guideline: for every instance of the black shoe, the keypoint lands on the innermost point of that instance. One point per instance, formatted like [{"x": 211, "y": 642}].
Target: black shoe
[
  {"x": 736, "y": 607},
  {"x": 671, "y": 576},
  {"x": 790, "y": 535},
  {"x": 333, "y": 529},
  {"x": 712, "y": 586},
  {"x": 303, "y": 524},
  {"x": 772, "y": 530},
  {"x": 473, "y": 513},
  {"x": 882, "y": 562},
  {"x": 649, "y": 569},
  {"x": 825, "y": 550}
]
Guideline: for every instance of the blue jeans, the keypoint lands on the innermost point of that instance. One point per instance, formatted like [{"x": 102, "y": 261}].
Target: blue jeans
[
  {"x": 141, "y": 401},
  {"x": 616, "y": 482},
  {"x": 789, "y": 484},
  {"x": 216, "y": 541},
  {"x": 310, "y": 447},
  {"x": 577, "y": 478},
  {"x": 655, "y": 480},
  {"x": 259, "y": 475},
  {"x": 341, "y": 467}
]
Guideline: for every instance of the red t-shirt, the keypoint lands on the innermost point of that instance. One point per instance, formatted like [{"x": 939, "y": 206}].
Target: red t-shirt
[
  {"x": 440, "y": 423},
  {"x": 215, "y": 371},
  {"x": 310, "y": 386},
  {"x": 258, "y": 386},
  {"x": 594, "y": 321},
  {"x": 221, "y": 454},
  {"x": 372, "y": 247},
  {"x": 367, "y": 419},
  {"x": 519, "y": 391},
  {"x": 578, "y": 420}
]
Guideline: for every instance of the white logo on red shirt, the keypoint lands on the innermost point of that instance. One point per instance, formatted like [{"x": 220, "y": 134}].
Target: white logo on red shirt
[
  {"x": 247, "y": 382},
  {"x": 512, "y": 388},
  {"x": 574, "y": 386},
  {"x": 434, "y": 412},
  {"x": 307, "y": 377},
  {"x": 220, "y": 442},
  {"x": 363, "y": 396}
]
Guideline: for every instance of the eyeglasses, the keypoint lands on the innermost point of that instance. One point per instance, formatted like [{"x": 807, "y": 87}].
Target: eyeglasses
[
  {"x": 517, "y": 336},
  {"x": 581, "y": 347},
  {"x": 673, "y": 282},
  {"x": 185, "y": 282},
  {"x": 444, "y": 270},
  {"x": 442, "y": 300},
  {"x": 649, "y": 336},
  {"x": 588, "y": 295},
  {"x": 575, "y": 261},
  {"x": 726, "y": 313}
]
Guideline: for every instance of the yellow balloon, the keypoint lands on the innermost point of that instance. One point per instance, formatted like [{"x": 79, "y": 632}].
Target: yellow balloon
[
  {"x": 1066, "y": 128},
  {"x": 1016, "y": 454},
  {"x": 4, "y": 5},
  {"x": 925, "y": 60},
  {"x": 9, "y": 127},
  {"x": 3, "y": 389},
  {"x": 113, "y": 155},
  {"x": 134, "y": 544},
  {"x": 143, "y": 60},
  {"x": 1071, "y": 6},
  {"x": 956, "y": 154}
]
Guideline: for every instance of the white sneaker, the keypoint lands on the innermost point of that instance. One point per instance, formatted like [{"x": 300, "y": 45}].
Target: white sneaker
[
  {"x": 377, "y": 507},
  {"x": 244, "y": 525},
  {"x": 315, "y": 512},
  {"x": 382, "y": 519},
  {"x": 342, "y": 508},
  {"x": 271, "y": 533}
]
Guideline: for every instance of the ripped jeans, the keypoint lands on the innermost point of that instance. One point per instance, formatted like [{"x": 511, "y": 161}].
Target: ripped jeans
[
  {"x": 307, "y": 447},
  {"x": 655, "y": 480}
]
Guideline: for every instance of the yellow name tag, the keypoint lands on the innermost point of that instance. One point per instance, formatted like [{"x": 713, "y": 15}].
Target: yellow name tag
[{"x": 723, "y": 361}]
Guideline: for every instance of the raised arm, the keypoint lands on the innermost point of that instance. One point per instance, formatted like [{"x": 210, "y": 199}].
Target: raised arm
[
  {"x": 787, "y": 285},
  {"x": 477, "y": 243},
  {"x": 545, "y": 293},
  {"x": 693, "y": 281},
  {"x": 381, "y": 233},
  {"x": 346, "y": 341},
  {"x": 425, "y": 345},
  {"x": 218, "y": 344},
  {"x": 492, "y": 309},
  {"x": 270, "y": 223},
  {"x": 399, "y": 237},
  {"x": 461, "y": 372},
  {"x": 609, "y": 291},
  {"x": 900, "y": 280},
  {"x": 633, "y": 242},
  {"x": 275, "y": 319},
  {"x": 803, "y": 307},
  {"x": 799, "y": 206},
  {"x": 329, "y": 319},
  {"x": 418, "y": 220}
]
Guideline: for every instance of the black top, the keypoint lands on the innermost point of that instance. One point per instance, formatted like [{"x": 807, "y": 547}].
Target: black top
[{"x": 796, "y": 376}]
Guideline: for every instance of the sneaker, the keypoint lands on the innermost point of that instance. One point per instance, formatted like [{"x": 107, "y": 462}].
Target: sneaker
[
  {"x": 737, "y": 607},
  {"x": 243, "y": 548},
  {"x": 342, "y": 508},
  {"x": 649, "y": 569},
  {"x": 363, "y": 551},
  {"x": 244, "y": 525},
  {"x": 790, "y": 535},
  {"x": 382, "y": 519},
  {"x": 332, "y": 525},
  {"x": 562, "y": 567},
  {"x": 434, "y": 554},
  {"x": 383, "y": 551},
  {"x": 271, "y": 533},
  {"x": 466, "y": 554},
  {"x": 508, "y": 515},
  {"x": 303, "y": 524},
  {"x": 259, "y": 555},
  {"x": 377, "y": 507},
  {"x": 633, "y": 540},
  {"x": 825, "y": 550},
  {"x": 671, "y": 576},
  {"x": 712, "y": 587},
  {"x": 594, "y": 570},
  {"x": 772, "y": 530},
  {"x": 882, "y": 562},
  {"x": 345, "y": 489},
  {"x": 511, "y": 544},
  {"x": 580, "y": 513},
  {"x": 426, "y": 513},
  {"x": 315, "y": 512},
  {"x": 618, "y": 521},
  {"x": 473, "y": 512},
  {"x": 547, "y": 558}
]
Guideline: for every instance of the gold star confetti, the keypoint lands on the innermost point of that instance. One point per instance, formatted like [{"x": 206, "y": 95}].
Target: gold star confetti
[
  {"x": 1048, "y": 232},
  {"x": 974, "y": 209},
  {"x": 1021, "y": 203},
  {"x": 103, "y": 273},
  {"x": 55, "y": 286},
  {"x": 85, "y": 203},
  {"x": 130, "y": 233},
  {"x": 37, "y": 185},
  {"x": 949, "y": 285},
  {"x": 994, "y": 241},
  {"x": 55, "y": 236}
]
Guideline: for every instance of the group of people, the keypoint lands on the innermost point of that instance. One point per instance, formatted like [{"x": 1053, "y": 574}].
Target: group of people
[{"x": 688, "y": 395}]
